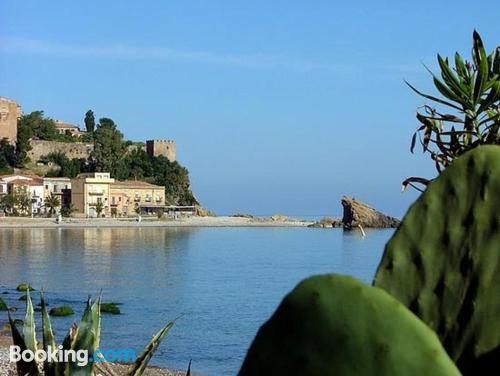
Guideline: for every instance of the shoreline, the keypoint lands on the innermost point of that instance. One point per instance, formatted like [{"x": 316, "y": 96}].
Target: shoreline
[
  {"x": 224, "y": 221},
  {"x": 9, "y": 369}
]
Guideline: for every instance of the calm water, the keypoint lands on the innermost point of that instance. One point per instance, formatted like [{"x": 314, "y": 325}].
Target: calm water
[{"x": 226, "y": 281}]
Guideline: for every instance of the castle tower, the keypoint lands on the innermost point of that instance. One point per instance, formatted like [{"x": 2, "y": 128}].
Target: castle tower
[
  {"x": 166, "y": 148},
  {"x": 9, "y": 113}
]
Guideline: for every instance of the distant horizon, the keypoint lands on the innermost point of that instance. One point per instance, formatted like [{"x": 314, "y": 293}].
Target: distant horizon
[{"x": 276, "y": 108}]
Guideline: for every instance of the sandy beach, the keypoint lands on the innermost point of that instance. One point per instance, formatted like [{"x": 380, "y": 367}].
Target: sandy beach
[{"x": 224, "y": 221}]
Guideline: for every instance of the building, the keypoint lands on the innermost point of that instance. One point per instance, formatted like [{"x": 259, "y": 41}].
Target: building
[
  {"x": 90, "y": 192},
  {"x": 61, "y": 187},
  {"x": 30, "y": 186},
  {"x": 115, "y": 198},
  {"x": 128, "y": 197},
  {"x": 66, "y": 128},
  {"x": 167, "y": 148},
  {"x": 9, "y": 114}
]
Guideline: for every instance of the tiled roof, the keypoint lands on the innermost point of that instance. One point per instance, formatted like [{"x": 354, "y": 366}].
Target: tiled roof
[{"x": 134, "y": 184}]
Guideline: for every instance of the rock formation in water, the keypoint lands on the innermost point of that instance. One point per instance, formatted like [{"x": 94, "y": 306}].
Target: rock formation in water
[{"x": 357, "y": 213}]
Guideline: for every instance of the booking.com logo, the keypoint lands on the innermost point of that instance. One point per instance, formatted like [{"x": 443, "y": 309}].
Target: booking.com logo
[{"x": 80, "y": 357}]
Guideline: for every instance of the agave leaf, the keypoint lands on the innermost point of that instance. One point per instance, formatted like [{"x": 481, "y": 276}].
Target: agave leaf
[
  {"x": 188, "y": 372},
  {"x": 142, "y": 361},
  {"x": 50, "y": 369},
  {"x": 29, "y": 330},
  {"x": 23, "y": 368},
  {"x": 87, "y": 338},
  {"x": 446, "y": 103}
]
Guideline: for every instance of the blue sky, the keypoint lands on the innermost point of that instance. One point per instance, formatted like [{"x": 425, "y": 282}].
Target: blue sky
[{"x": 276, "y": 106}]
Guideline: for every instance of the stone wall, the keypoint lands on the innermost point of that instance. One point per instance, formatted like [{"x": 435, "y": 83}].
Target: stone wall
[
  {"x": 166, "y": 148},
  {"x": 9, "y": 113},
  {"x": 70, "y": 149}
]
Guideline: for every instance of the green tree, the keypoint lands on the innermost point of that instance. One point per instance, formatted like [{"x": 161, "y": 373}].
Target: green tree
[
  {"x": 175, "y": 178},
  {"x": 99, "y": 208},
  {"x": 109, "y": 148},
  {"x": 23, "y": 146},
  {"x": 69, "y": 168},
  {"x": 23, "y": 201},
  {"x": 68, "y": 210},
  {"x": 52, "y": 202},
  {"x": 8, "y": 203},
  {"x": 89, "y": 121},
  {"x": 41, "y": 127},
  {"x": 8, "y": 152},
  {"x": 470, "y": 101}
]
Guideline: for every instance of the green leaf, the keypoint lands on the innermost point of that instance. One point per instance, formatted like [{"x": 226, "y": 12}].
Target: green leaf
[
  {"x": 446, "y": 103},
  {"x": 29, "y": 330},
  {"x": 87, "y": 337},
  {"x": 451, "y": 80},
  {"x": 23, "y": 368},
  {"x": 142, "y": 361},
  {"x": 481, "y": 61},
  {"x": 493, "y": 96},
  {"x": 50, "y": 369}
]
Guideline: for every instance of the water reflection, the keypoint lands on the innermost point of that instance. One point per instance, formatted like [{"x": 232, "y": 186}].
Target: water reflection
[{"x": 226, "y": 281}]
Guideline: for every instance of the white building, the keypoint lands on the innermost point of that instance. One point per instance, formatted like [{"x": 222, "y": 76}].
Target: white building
[{"x": 31, "y": 185}]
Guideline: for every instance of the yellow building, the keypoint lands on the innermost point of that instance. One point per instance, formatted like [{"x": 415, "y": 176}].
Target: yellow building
[
  {"x": 97, "y": 194},
  {"x": 90, "y": 194},
  {"x": 128, "y": 197}
]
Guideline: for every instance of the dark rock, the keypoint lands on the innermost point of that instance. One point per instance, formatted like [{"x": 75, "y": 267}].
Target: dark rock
[
  {"x": 61, "y": 311},
  {"x": 23, "y": 287},
  {"x": 357, "y": 213},
  {"x": 111, "y": 308}
]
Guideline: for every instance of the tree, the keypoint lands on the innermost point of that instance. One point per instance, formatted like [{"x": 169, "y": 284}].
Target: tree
[
  {"x": 41, "y": 127},
  {"x": 99, "y": 208},
  {"x": 67, "y": 211},
  {"x": 175, "y": 178},
  {"x": 89, "y": 121},
  {"x": 52, "y": 202},
  {"x": 8, "y": 152},
  {"x": 23, "y": 201},
  {"x": 109, "y": 148},
  {"x": 67, "y": 167},
  {"x": 8, "y": 203},
  {"x": 470, "y": 94}
]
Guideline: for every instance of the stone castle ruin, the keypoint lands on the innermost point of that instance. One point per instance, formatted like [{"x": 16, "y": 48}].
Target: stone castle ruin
[{"x": 10, "y": 111}]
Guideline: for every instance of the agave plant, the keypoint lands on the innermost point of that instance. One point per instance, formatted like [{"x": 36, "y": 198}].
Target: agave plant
[
  {"x": 85, "y": 336},
  {"x": 471, "y": 95}
]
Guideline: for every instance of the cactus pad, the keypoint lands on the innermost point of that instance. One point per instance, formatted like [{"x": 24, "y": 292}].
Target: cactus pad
[
  {"x": 335, "y": 325},
  {"x": 443, "y": 262}
]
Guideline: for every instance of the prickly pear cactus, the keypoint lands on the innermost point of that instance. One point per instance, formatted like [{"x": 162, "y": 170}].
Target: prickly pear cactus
[
  {"x": 443, "y": 262},
  {"x": 335, "y": 325}
]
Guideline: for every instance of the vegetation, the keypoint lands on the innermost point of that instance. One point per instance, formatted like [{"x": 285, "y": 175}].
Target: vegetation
[
  {"x": 109, "y": 147},
  {"x": 450, "y": 276},
  {"x": 23, "y": 287},
  {"x": 61, "y": 311},
  {"x": 111, "y": 308},
  {"x": 3, "y": 306},
  {"x": 89, "y": 121},
  {"x": 7, "y": 156},
  {"x": 85, "y": 336},
  {"x": 16, "y": 203},
  {"x": 68, "y": 210},
  {"x": 470, "y": 99},
  {"x": 336, "y": 325},
  {"x": 52, "y": 202},
  {"x": 99, "y": 208}
]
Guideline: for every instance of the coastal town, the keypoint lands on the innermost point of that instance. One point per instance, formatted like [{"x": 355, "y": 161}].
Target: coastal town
[{"x": 90, "y": 194}]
